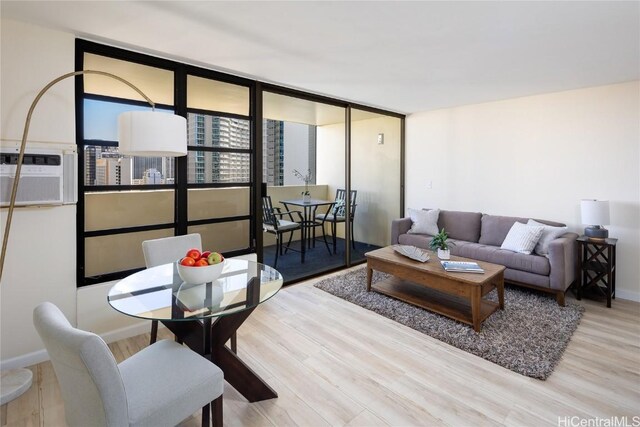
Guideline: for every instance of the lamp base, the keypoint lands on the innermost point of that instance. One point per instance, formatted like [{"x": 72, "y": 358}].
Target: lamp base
[{"x": 596, "y": 232}]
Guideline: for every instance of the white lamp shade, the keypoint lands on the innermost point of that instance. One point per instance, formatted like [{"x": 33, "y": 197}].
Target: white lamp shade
[
  {"x": 152, "y": 134},
  {"x": 595, "y": 212}
]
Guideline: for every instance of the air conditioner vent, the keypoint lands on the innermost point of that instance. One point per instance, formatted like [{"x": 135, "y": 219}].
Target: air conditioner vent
[{"x": 47, "y": 177}]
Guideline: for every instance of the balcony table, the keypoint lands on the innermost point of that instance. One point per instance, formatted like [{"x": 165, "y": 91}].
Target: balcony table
[
  {"x": 204, "y": 316},
  {"x": 308, "y": 211}
]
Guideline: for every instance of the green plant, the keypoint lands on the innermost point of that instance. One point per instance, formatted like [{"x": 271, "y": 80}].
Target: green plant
[{"x": 440, "y": 241}]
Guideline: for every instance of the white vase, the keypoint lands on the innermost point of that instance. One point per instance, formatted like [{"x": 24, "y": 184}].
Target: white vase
[
  {"x": 444, "y": 254},
  {"x": 306, "y": 198}
]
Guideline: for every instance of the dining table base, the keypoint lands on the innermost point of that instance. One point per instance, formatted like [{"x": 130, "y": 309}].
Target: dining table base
[{"x": 208, "y": 339}]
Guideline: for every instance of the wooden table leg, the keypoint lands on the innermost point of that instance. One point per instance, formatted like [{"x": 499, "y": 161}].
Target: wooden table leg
[
  {"x": 476, "y": 300},
  {"x": 500, "y": 288},
  {"x": 369, "y": 277},
  {"x": 236, "y": 372}
]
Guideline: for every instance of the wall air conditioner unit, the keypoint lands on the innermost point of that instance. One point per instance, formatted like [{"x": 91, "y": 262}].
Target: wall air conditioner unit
[{"x": 48, "y": 176}]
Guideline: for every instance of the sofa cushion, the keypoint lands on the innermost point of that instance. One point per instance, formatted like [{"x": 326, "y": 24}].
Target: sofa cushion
[
  {"x": 417, "y": 240},
  {"x": 517, "y": 261},
  {"x": 495, "y": 228},
  {"x": 461, "y": 225}
]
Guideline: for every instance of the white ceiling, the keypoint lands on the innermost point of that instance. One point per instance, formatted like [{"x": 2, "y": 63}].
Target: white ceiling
[{"x": 401, "y": 56}]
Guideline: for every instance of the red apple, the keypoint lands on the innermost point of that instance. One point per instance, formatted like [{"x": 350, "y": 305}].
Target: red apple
[
  {"x": 201, "y": 263},
  {"x": 188, "y": 261},
  {"x": 194, "y": 253}
]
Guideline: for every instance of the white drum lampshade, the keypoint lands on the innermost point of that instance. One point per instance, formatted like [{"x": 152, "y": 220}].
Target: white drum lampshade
[
  {"x": 152, "y": 134},
  {"x": 595, "y": 213}
]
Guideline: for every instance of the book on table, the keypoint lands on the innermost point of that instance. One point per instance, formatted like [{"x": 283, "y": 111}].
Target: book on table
[{"x": 462, "y": 266}]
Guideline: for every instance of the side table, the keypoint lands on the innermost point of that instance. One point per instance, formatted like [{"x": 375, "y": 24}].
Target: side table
[{"x": 597, "y": 264}]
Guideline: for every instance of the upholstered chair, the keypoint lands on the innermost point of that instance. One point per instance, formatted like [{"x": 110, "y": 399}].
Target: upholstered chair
[{"x": 161, "y": 385}]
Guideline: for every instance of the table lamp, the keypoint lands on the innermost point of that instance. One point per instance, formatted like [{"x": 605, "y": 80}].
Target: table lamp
[
  {"x": 595, "y": 214},
  {"x": 140, "y": 133}
]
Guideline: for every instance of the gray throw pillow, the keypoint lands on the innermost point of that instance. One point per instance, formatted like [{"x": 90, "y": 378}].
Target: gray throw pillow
[
  {"x": 549, "y": 233},
  {"x": 424, "y": 222}
]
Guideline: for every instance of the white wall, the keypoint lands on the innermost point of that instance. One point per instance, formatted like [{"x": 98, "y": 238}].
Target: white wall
[
  {"x": 40, "y": 264},
  {"x": 536, "y": 156},
  {"x": 330, "y": 157}
]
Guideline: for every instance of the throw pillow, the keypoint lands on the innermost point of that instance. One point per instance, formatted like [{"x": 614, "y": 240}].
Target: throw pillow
[
  {"x": 338, "y": 208},
  {"x": 522, "y": 238},
  {"x": 549, "y": 233},
  {"x": 424, "y": 222}
]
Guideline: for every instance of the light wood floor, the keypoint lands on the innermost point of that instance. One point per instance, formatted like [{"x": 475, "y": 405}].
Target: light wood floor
[{"x": 334, "y": 363}]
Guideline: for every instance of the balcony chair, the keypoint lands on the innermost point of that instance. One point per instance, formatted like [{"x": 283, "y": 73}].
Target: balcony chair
[
  {"x": 273, "y": 223},
  {"x": 166, "y": 250},
  {"x": 162, "y": 384},
  {"x": 336, "y": 215}
]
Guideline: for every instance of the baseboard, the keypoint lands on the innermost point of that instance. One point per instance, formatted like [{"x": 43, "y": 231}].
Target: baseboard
[
  {"x": 39, "y": 356},
  {"x": 628, "y": 295},
  {"x": 24, "y": 360},
  {"x": 144, "y": 326}
]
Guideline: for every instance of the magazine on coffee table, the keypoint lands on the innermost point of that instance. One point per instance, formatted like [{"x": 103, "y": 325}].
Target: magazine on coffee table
[{"x": 462, "y": 267}]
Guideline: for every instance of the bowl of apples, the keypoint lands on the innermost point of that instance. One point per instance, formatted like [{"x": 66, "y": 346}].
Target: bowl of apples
[{"x": 200, "y": 267}]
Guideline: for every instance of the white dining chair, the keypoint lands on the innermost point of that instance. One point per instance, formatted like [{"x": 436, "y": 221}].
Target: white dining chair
[
  {"x": 165, "y": 250},
  {"x": 161, "y": 385},
  {"x": 170, "y": 249}
]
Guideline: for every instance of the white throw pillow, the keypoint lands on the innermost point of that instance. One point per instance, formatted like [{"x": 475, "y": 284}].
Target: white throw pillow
[
  {"x": 424, "y": 222},
  {"x": 522, "y": 238},
  {"x": 549, "y": 233}
]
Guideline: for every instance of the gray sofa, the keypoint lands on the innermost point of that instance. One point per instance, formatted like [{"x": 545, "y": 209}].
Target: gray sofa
[{"x": 479, "y": 236}]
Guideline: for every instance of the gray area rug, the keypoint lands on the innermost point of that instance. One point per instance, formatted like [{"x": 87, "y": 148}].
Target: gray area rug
[{"x": 527, "y": 337}]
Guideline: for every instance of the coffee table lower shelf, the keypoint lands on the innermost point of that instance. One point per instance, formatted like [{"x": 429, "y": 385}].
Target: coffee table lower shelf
[{"x": 447, "y": 305}]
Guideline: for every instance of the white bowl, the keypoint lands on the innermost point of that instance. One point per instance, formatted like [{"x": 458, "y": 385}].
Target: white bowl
[{"x": 192, "y": 275}]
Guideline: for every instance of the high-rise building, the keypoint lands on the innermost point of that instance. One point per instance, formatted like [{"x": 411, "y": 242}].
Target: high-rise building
[
  {"x": 273, "y": 152},
  {"x": 108, "y": 171},
  {"x": 90, "y": 155},
  {"x": 105, "y": 166},
  {"x": 218, "y": 167},
  {"x": 143, "y": 164},
  {"x": 152, "y": 176},
  {"x": 287, "y": 146}
]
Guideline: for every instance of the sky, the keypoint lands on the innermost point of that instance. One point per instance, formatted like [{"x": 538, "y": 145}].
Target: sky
[{"x": 101, "y": 118}]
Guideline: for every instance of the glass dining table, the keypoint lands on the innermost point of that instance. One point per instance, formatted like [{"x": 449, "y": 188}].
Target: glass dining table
[{"x": 204, "y": 316}]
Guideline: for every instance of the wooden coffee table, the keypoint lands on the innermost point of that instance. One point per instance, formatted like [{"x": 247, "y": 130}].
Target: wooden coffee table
[{"x": 427, "y": 285}]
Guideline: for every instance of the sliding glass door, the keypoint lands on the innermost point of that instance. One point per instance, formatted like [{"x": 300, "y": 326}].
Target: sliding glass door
[
  {"x": 303, "y": 165},
  {"x": 375, "y": 152}
]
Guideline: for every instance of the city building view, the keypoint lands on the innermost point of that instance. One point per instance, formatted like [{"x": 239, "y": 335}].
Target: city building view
[{"x": 286, "y": 146}]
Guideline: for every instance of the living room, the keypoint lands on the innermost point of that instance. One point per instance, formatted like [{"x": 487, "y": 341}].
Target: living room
[{"x": 505, "y": 116}]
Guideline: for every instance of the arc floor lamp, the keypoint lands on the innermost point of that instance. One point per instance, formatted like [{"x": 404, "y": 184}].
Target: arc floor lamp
[{"x": 140, "y": 133}]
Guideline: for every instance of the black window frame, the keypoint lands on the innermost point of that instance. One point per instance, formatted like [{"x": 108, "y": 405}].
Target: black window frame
[
  {"x": 180, "y": 186},
  {"x": 181, "y": 223}
]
